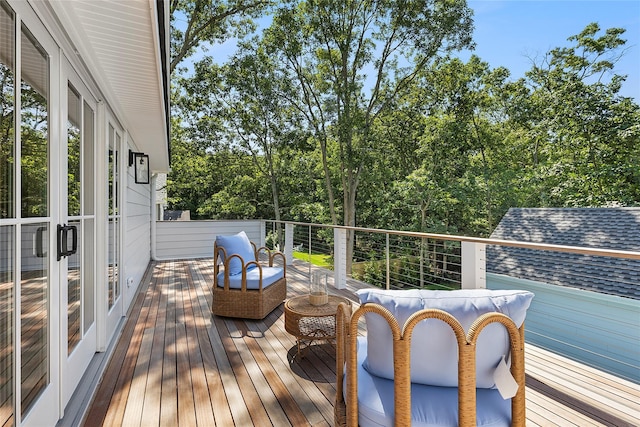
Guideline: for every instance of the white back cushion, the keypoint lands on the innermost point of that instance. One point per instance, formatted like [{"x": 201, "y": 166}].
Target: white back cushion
[
  {"x": 237, "y": 244},
  {"x": 434, "y": 350}
]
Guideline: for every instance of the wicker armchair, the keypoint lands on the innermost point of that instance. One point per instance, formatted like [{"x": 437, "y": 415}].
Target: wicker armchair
[
  {"x": 393, "y": 397},
  {"x": 242, "y": 287}
]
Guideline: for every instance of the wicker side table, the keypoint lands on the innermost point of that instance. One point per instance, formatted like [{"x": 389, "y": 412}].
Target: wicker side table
[{"x": 308, "y": 322}]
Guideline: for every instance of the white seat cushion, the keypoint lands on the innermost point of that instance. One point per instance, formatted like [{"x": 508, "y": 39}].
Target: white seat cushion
[
  {"x": 270, "y": 275},
  {"x": 431, "y": 406},
  {"x": 434, "y": 349}
]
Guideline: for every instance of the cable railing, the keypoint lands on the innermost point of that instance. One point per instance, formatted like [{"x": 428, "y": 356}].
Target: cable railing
[
  {"x": 383, "y": 259},
  {"x": 394, "y": 259}
]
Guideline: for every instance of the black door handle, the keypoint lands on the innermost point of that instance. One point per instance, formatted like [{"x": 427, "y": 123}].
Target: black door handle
[
  {"x": 40, "y": 243},
  {"x": 63, "y": 240}
]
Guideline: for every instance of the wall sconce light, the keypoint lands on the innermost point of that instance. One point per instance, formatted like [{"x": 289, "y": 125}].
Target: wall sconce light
[{"x": 140, "y": 161}]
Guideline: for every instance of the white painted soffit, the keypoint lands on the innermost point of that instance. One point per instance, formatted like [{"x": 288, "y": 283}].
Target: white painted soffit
[{"x": 119, "y": 42}]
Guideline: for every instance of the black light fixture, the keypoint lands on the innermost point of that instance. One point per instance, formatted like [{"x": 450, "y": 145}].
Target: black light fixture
[{"x": 141, "y": 163}]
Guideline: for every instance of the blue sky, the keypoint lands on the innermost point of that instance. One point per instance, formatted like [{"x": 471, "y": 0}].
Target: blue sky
[{"x": 510, "y": 33}]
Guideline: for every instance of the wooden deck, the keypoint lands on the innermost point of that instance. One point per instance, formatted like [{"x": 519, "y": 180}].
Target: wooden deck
[{"x": 176, "y": 365}]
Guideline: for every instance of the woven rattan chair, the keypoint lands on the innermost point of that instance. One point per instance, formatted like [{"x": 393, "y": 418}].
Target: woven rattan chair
[
  {"x": 255, "y": 290},
  {"x": 347, "y": 411}
]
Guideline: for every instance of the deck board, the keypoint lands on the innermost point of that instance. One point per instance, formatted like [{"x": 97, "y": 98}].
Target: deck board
[
  {"x": 176, "y": 365},
  {"x": 194, "y": 402},
  {"x": 169, "y": 396}
]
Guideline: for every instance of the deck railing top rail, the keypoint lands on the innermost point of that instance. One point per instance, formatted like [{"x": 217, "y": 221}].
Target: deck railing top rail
[{"x": 488, "y": 241}]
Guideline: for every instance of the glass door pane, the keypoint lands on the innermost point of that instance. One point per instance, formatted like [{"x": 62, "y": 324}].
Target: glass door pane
[
  {"x": 74, "y": 118},
  {"x": 34, "y": 199},
  {"x": 114, "y": 217},
  {"x": 7, "y": 211},
  {"x": 34, "y": 123},
  {"x": 74, "y": 272},
  {"x": 74, "y": 296},
  {"x": 88, "y": 209},
  {"x": 89, "y": 275},
  {"x": 7, "y": 106},
  {"x": 88, "y": 206},
  {"x": 34, "y": 309},
  {"x": 7, "y": 311}
]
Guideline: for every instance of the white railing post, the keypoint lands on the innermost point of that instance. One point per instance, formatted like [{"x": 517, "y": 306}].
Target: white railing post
[
  {"x": 288, "y": 242},
  {"x": 340, "y": 258},
  {"x": 263, "y": 233},
  {"x": 474, "y": 265}
]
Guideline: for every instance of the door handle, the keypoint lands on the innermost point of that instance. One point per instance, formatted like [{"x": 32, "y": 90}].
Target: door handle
[
  {"x": 39, "y": 243},
  {"x": 63, "y": 240}
]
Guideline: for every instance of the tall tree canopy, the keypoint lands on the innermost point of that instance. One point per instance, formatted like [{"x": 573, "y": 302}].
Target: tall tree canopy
[
  {"x": 591, "y": 134},
  {"x": 358, "y": 112},
  {"x": 350, "y": 60}
]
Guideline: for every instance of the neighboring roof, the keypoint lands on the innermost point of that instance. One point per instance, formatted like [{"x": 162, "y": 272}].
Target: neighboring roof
[
  {"x": 603, "y": 228},
  {"x": 124, "y": 44}
]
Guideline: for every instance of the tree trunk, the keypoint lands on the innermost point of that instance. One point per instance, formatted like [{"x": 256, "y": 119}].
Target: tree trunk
[
  {"x": 327, "y": 181},
  {"x": 276, "y": 209},
  {"x": 488, "y": 192},
  {"x": 350, "y": 215}
]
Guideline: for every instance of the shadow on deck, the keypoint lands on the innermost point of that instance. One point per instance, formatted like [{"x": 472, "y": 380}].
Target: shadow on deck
[{"x": 176, "y": 365}]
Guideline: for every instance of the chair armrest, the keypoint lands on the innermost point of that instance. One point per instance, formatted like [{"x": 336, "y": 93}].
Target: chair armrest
[{"x": 271, "y": 255}]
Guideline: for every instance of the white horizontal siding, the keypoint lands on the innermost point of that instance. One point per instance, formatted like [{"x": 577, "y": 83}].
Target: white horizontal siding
[
  {"x": 194, "y": 239},
  {"x": 137, "y": 235},
  {"x": 596, "y": 329}
]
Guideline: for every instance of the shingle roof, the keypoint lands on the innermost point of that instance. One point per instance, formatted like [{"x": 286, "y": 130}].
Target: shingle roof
[{"x": 604, "y": 228}]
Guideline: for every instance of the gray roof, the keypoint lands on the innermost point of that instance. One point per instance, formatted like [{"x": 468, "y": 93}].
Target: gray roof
[{"x": 603, "y": 228}]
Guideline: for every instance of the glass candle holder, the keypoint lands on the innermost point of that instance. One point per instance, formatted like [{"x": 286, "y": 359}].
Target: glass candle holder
[{"x": 318, "y": 292}]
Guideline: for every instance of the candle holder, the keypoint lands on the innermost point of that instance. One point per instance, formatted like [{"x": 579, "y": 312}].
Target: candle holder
[{"x": 318, "y": 292}]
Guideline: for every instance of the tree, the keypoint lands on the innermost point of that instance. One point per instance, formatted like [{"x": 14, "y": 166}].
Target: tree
[
  {"x": 258, "y": 117},
  {"x": 351, "y": 59},
  {"x": 453, "y": 187},
  {"x": 354, "y": 107},
  {"x": 591, "y": 134},
  {"x": 242, "y": 105},
  {"x": 212, "y": 21}
]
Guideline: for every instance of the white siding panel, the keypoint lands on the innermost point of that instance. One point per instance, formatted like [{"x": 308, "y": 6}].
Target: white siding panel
[
  {"x": 194, "y": 239},
  {"x": 137, "y": 235},
  {"x": 597, "y": 329}
]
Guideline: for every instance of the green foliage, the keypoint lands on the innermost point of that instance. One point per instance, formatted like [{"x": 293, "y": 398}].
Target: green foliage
[
  {"x": 197, "y": 22},
  {"x": 370, "y": 272},
  {"x": 288, "y": 127},
  {"x": 589, "y": 135},
  {"x": 331, "y": 47}
]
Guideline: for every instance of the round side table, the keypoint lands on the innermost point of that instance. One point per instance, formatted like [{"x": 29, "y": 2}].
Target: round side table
[{"x": 310, "y": 323}]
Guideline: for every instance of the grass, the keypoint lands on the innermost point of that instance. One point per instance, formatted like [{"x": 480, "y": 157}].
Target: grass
[{"x": 320, "y": 260}]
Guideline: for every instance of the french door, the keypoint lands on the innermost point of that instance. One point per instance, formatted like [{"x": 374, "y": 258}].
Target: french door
[
  {"x": 29, "y": 213},
  {"x": 77, "y": 231},
  {"x": 48, "y": 225}
]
